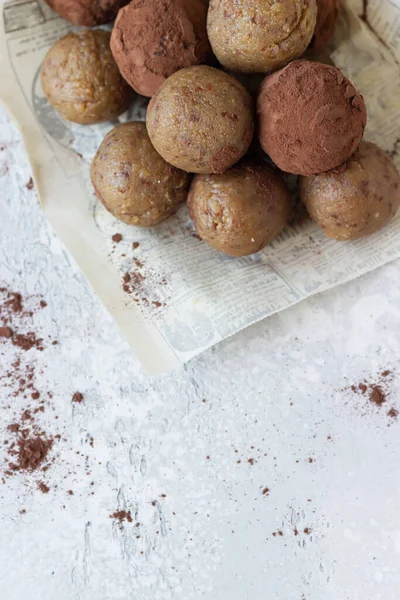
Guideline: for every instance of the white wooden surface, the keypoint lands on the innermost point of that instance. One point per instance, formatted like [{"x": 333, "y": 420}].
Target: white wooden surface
[{"x": 274, "y": 393}]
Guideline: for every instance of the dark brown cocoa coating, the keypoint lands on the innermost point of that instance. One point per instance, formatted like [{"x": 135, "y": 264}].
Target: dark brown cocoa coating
[
  {"x": 81, "y": 80},
  {"x": 359, "y": 199},
  {"x": 152, "y": 39},
  {"x": 131, "y": 179},
  {"x": 240, "y": 211},
  {"x": 327, "y": 16},
  {"x": 88, "y": 13},
  {"x": 311, "y": 118},
  {"x": 201, "y": 120}
]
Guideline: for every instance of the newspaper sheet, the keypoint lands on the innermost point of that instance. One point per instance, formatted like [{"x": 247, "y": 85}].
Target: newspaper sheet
[{"x": 180, "y": 296}]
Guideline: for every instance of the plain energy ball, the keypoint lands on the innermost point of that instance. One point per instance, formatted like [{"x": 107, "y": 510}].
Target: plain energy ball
[
  {"x": 201, "y": 120},
  {"x": 311, "y": 118},
  {"x": 258, "y": 36},
  {"x": 87, "y": 12},
  {"x": 356, "y": 201},
  {"x": 240, "y": 211},
  {"x": 327, "y": 17},
  {"x": 131, "y": 179},
  {"x": 152, "y": 39},
  {"x": 81, "y": 79}
]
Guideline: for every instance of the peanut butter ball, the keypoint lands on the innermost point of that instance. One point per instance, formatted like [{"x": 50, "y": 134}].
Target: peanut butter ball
[
  {"x": 258, "y": 36},
  {"x": 81, "y": 79},
  {"x": 152, "y": 39},
  {"x": 311, "y": 118},
  {"x": 357, "y": 200},
  {"x": 240, "y": 211},
  {"x": 201, "y": 120},
  {"x": 131, "y": 179},
  {"x": 87, "y": 12}
]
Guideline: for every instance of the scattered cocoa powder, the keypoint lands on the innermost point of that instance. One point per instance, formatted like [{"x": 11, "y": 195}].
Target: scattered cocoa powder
[
  {"x": 77, "y": 397},
  {"x": 30, "y": 184},
  {"x": 265, "y": 491},
  {"x": 377, "y": 395},
  {"x": 29, "y": 446},
  {"x": 143, "y": 284},
  {"x": 251, "y": 461},
  {"x": 5, "y": 332},
  {"x": 377, "y": 391},
  {"x": 117, "y": 238},
  {"x": 135, "y": 245},
  {"x": 31, "y": 453},
  {"x": 122, "y": 515},
  {"x": 307, "y": 530},
  {"x": 43, "y": 487},
  {"x": 70, "y": 493},
  {"x": 27, "y": 341}
]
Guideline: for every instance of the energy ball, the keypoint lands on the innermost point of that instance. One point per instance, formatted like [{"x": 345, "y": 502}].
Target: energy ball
[
  {"x": 152, "y": 39},
  {"x": 131, "y": 179},
  {"x": 240, "y": 211},
  {"x": 311, "y": 118},
  {"x": 87, "y": 12},
  {"x": 81, "y": 79},
  {"x": 356, "y": 201},
  {"x": 201, "y": 120},
  {"x": 327, "y": 16},
  {"x": 258, "y": 36}
]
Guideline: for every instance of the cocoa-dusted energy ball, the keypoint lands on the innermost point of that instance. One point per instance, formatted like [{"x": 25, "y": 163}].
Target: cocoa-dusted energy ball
[
  {"x": 152, "y": 39},
  {"x": 131, "y": 179},
  {"x": 240, "y": 211},
  {"x": 258, "y": 36},
  {"x": 201, "y": 120},
  {"x": 81, "y": 79},
  {"x": 311, "y": 118},
  {"x": 87, "y": 12},
  {"x": 356, "y": 201},
  {"x": 327, "y": 16}
]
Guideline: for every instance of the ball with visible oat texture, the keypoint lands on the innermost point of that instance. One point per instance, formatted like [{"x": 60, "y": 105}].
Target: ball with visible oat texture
[
  {"x": 357, "y": 200},
  {"x": 131, "y": 179},
  {"x": 240, "y": 211},
  {"x": 81, "y": 80},
  {"x": 258, "y": 36},
  {"x": 201, "y": 120}
]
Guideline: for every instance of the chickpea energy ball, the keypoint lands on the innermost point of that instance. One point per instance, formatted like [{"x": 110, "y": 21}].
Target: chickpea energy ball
[
  {"x": 356, "y": 201},
  {"x": 87, "y": 12},
  {"x": 240, "y": 211},
  {"x": 201, "y": 120},
  {"x": 131, "y": 179},
  {"x": 152, "y": 39},
  {"x": 81, "y": 79},
  {"x": 258, "y": 36},
  {"x": 311, "y": 118}
]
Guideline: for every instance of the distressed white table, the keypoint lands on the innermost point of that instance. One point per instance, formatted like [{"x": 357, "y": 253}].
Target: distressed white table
[{"x": 175, "y": 450}]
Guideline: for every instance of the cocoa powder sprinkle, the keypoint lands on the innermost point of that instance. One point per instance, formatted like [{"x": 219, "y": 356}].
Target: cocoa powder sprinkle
[
  {"x": 122, "y": 515},
  {"x": 377, "y": 395}
]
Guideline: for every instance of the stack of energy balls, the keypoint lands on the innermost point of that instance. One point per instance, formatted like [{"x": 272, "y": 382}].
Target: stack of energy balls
[{"x": 306, "y": 116}]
